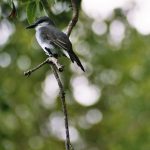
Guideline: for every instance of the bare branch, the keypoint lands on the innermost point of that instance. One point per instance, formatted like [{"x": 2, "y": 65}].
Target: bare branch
[
  {"x": 29, "y": 72},
  {"x": 64, "y": 107},
  {"x": 50, "y": 60},
  {"x": 75, "y": 17},
  {"x": 53, "y": 62}
]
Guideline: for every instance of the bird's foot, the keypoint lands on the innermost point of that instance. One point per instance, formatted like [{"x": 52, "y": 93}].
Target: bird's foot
[{"x": 56, "y": 63}]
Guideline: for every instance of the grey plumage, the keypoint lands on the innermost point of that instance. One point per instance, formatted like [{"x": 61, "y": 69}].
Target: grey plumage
[{"x": 52, "y": 40}]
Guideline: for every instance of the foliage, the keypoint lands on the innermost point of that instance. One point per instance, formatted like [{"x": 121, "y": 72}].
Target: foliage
[{"x": 30, "y": 115}]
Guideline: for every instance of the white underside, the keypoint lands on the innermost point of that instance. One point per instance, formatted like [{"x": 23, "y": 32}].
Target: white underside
[{"x": 44, "y": 43}]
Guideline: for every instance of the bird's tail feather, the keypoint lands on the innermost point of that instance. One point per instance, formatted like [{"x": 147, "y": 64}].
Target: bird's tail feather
[{"x": 74, "y": 57}]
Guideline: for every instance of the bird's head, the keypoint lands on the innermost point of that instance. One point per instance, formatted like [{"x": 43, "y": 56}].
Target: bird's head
[{"x": 41, "y": 22}]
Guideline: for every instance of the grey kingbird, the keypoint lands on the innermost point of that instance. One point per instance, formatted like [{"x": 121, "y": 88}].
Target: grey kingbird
[{"x": 54, "y": 42}]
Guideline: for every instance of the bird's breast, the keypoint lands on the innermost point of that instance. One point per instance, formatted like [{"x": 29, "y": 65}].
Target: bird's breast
[{"x": 43, "y": 42}]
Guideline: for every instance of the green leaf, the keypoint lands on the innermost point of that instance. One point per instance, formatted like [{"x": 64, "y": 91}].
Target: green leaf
[
  {"x": 40, "y": 6},
  {"x": 24, "y": 1},
  {"x": 31, "y": 12}
]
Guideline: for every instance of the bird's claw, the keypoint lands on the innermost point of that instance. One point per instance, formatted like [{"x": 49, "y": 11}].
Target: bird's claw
[{"x": 56, "y": 63}]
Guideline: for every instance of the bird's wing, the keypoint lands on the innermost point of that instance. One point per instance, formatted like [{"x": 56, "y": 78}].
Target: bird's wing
[
  {"x": 56, "y": 37},
  {"x": 62, "y": 44},
  {"x": 61, "y": 40},
  {"x": 66, "y": 45}
]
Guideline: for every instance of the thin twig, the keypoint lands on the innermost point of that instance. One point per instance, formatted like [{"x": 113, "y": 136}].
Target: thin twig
[
  {"x": 64, "y": 107},
  {"x": 29, "y": 72},
  {"x": 56, "y": 66},
  {"x": 75, "y": 17},
  {"x": 50, "y": 60}
]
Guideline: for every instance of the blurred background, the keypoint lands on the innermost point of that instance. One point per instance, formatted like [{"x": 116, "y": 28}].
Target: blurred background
[{"x": 108, "y": 105}]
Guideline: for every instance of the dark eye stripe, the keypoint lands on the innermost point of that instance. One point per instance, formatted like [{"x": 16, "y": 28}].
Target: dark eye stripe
[
  {"x": 44, "y": 19},
  {"x": 40, "y": 21}
]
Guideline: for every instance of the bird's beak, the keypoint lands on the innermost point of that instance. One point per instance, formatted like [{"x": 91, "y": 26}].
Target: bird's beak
[{"x": 31, "y": 26}]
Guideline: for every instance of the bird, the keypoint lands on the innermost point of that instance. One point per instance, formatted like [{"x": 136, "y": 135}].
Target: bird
[{"x": 53, "y": 41}]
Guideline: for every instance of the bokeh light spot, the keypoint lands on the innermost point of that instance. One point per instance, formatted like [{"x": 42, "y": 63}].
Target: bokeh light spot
[
  {"x": 94, "y": 116},
  {"x": 5, "y": 59},
  {"x": 6, "y": 30},
  {"x": 137, "y": 11},
  {"x": 36, "y": 142},
  {"x": 138, "y": 16},
  {"x": 8, "y": 145},
  {"x": 101, "y": 9},
  {"x": 99, "y": 28},
  {"x": 59, "y": 7},
  {"x": 23, "y": 62},
  {"x": 117, "y": 32},
  {"x": 110, "y": 76},
  {"x": 50, "y": 91},
  {"x": 85, "y": 93}
]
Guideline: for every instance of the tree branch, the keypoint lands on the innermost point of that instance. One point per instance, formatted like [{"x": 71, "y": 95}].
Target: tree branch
[
  {"x": 53, "y": 62},
  {"x": 75, "y": 17},
  {"x": 50, "y": 60},
  {"x": 29, "y": 72},
  {"x": 64, "y": 107}
]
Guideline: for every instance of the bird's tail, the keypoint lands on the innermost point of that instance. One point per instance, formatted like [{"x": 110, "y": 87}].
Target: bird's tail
[{"x": 74, "y": 57}]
